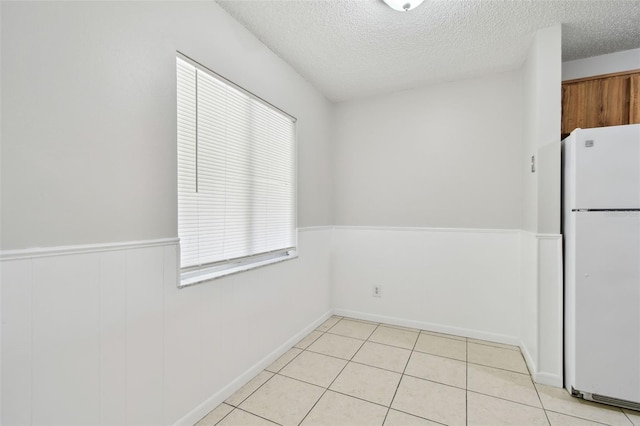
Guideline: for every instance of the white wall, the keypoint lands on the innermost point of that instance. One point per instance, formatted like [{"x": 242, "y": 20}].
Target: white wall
[
  {"x": 434, "y": 177},
  {"x": 529, "y": 140},
  {"x": 541, "y": 132},
  {"x": 464, "y": 282},
  {"x": 541, "y": 250},
  {"x": 89, "y": 123},
  {"x": 102, "y": 334},
  {"x": 441, "y": 156},
  {"x": 604, "y": 64}
]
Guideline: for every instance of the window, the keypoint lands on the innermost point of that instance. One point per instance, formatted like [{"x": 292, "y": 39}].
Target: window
[{"x": 236, "y": 177}]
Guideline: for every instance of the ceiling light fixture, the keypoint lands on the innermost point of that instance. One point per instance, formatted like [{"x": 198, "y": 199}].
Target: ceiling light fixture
[{"x": 403, "y": 5}]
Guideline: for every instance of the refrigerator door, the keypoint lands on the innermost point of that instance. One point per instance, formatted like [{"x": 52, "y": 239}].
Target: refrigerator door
[
  {"x": 607, "y": 168},
  {"x": 607, "y": 304}
]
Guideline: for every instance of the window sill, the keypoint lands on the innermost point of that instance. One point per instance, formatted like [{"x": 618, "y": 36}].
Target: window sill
[{"x": 208, "y": 274}]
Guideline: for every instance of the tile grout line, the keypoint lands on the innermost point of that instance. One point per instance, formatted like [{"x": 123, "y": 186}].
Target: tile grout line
[
  {"x": 507, "y": 400},
  {"x": 392, "y": 346},
  {"x": 436, "y": 382},
  {"x": 338, "y": 375},
  {"x": 287, "y": 363},
  {"x": 223, "y": 417},
  {"x": 401, "y": 377},
  {"x": 254, "y": 391},
  {"x": 583, "y": 418},
  {"x": 498, "y": 368},
  {"x": 495, "y": 345},
  {"x": 591, "y": 420},
  {"x": 539, "y": 399},
  {"x": 466, "y": 382},
  {"x": 628, "y": 418},
  {"x": 417, "y": 416},
  {"x": 253, "y": 414},
  {"x": 273, "y": 374},
  {"x": 314, "y": 340}
]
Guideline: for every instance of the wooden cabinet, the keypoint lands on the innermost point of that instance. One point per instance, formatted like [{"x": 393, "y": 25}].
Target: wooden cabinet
[{"x": 606, "y": 100}]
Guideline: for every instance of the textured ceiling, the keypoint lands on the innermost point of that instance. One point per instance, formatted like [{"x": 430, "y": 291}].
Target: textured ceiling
[{"x": 352, "y": 49}]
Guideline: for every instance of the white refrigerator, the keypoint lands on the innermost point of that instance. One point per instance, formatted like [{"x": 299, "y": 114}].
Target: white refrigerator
[{"x": 601, "y": 230}]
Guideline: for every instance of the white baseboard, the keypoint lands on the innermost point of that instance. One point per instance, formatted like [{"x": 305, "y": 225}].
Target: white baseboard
[
  {"x": 531, "y": 365},
  {"x": 219, "y": 397},
  {"x": 540, "y": 377},
  {"x": 548, "y": 379},
  {"x": 438, "y": 328}
]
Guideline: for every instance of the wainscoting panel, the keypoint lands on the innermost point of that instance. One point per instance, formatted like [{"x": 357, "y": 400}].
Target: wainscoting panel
[
  {"x": 541, "y": 322},
  {"x": 144, "y": 341},
  {"x": 460, "y": 281},
  {"x": 550, "y": 310},
  {"x": 16, "y": 342},
  {"x": 529, "y": 298},
  {"x": 66, "y": 339},
  {"x": 101, "y": 334},
  {"x": 113, "y": 337}
]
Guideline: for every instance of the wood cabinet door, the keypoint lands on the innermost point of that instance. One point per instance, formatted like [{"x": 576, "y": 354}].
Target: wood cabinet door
[
  {"x": 634, "y": 99},
  {"x": 574, "y": 107},
  {"x": 614, "y": 102},
  {"x": 597, "y": 102}
]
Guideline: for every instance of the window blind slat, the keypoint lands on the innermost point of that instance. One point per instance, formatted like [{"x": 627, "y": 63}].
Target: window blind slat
[{"x": 240, "y": 155}]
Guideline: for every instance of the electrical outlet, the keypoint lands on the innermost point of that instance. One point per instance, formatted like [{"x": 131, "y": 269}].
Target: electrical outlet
[{"x": 377, "y": 291}]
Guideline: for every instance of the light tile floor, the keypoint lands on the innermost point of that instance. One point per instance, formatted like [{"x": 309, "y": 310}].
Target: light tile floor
[{"x": 349, "y": 372}]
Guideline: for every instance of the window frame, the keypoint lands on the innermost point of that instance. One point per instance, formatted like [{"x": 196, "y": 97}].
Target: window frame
[{"x": 197, "y": 274}]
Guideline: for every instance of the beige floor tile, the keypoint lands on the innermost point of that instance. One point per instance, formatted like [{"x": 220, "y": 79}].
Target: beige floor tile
[
  {"x": 496, "y": 357},
  {"x": 242, "y": 393},
  {"x": 398, "y": 418},
  {"x": 438, "y": 369},
  {"x": 443, "y": 346},
  {"x": 448, "y": 336},
  {"x": 559, "y": 400},
  {"x": 634, "y": 416},
  {"x": 399, "y": 327},
  {"x": 314, "y": 368},
  {"x": 215, "y": 415},
  {"x": 509, "y": 385},
  {"x": 487, "y": 410},
  {"x": 284, "y": 360},
  {"x": 497, "y": 345},
  {"x": 394, "y": 337},
  {"x": 328, "y": 323},
  {"x": 242, "y": 418},
  {"x": 355, "y": 329},
  {"x": 335, "y": 345},
  {"x": 557, "y": 419},
  {"x": 308, "y": 339},
  {"x": 433, "y": 401},
  {"x": 383, "y": 356},
  {"x": 369, "y": 383},
  {"x": 283, "y": 400},
  {"x": 336, "y": 409}
]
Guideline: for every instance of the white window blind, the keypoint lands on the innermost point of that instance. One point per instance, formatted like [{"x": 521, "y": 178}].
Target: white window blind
[{"x": 236, "y": 173}]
